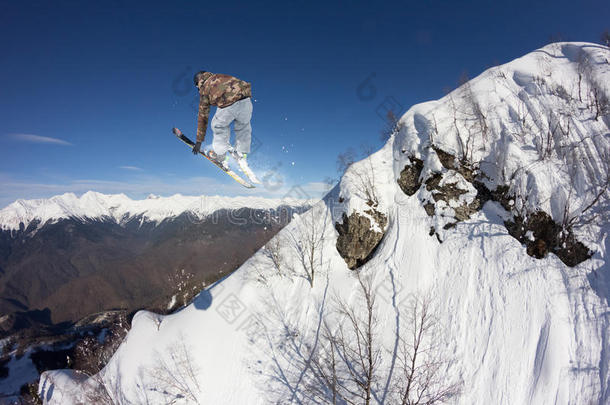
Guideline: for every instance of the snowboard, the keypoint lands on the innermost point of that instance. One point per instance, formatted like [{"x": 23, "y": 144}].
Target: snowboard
[{"x": 230, "y": 172}]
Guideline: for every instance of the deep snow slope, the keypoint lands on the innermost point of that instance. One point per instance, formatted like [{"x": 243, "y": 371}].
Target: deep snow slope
[{"x": 513, "y": 329}]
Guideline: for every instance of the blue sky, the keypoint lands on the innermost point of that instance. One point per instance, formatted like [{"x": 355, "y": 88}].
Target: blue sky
[{"x": 90, "y": 90}]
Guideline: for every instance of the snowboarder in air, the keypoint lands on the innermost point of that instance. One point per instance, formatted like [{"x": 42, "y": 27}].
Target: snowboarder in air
[{"x": 232, "y": 97}]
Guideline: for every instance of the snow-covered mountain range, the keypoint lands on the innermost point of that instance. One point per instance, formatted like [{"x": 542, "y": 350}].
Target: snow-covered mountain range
[
  {"x": 66, "y": 249},
  {"x": 120, "y": 208},
  {"x": 484, "y": 218}
]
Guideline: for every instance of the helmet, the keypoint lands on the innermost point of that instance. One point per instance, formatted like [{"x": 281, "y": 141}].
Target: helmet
[{"x": 198, "y": 76}]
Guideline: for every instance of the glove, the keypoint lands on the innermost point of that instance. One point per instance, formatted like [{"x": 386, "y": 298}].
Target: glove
[{"x": 197, "y": 148}]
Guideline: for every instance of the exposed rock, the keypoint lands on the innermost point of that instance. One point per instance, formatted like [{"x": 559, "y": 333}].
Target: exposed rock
[
  {"x": 537, "y": 249},
  {"x": 429, "y": 207},
  {"x": 447, "y": 160},
  {"x": 409, "y": 177},
  {"x": 450, "y": 192},
  {"x": 380, "y": 218},
  {"x": 357, "y": 240},
  {"x": 447, "y": 192},
  {"x": 542, "y": 235},
  {"x": 450, "y": 162},
  {"x": 433, "y": 182},
  {"x": 465, "y": 211}
]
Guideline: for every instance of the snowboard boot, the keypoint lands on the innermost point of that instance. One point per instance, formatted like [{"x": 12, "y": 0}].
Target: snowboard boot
[
  {"x": 221, "y": 159},
  {"x": 242, "y": 161}
]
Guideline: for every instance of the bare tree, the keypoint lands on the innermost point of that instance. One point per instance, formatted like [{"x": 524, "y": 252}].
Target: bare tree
[
  {"x": 582, "y": 68},
  {"x": 365, "y": 183},
  {"x": 585, "y": 214},
  {"x": 99, "y": 389},
  {"x": 463, "y": 147},
  {"x": 364, "y": 175},
  {"x": 468, "y": 113},
  {"x": 324, "y": 363},
  {"x": 307, "y": 242},
  {"x": 391, "y": 126},
  {"x": 273, "y": 251},
  {"x": 175, "y": 375},
  {"x": 474, "y": 112},
  {"x": 598, "y": 99},
  {"x": 420, "y": 379},
  {"x": 522, "y": 120},
  {"x": 346, "y": 364},
  {"x": 356, "y": 344},
  {"x": 433, "y": 130},
  {"x": 345, "y": 160},
  {"x": 553, "y": 131},
  {"x": 338, "y": 362}
]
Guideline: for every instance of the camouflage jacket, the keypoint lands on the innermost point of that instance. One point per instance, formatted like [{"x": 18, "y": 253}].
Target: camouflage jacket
[{"x": 221, "y": 91}]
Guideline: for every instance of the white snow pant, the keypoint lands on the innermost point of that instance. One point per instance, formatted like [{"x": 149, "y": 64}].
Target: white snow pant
[{"x": 240, "y": 114}]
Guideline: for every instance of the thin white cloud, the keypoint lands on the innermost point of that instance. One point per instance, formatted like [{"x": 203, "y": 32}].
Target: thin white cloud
[
  {"x": 39, "y": 139},
  {"x": 132, "y": 168}
]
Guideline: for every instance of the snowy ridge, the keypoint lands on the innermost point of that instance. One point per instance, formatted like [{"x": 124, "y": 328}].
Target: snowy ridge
[
  {"x": 518, "y": 330},
  {"x": 530, "y": 124},
  {"x": 120, "y": 208}
]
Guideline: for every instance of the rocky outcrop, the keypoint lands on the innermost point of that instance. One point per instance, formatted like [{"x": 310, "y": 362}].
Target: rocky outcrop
[
  {"x": 358, "y": 237},
  {"x": 409, "y": 180},
  {"x": 541, "y": 235},
  {"x": 457, "y": 193},
  {"x": 451, "y": 198},
  {"x": 444, "y": 190}
]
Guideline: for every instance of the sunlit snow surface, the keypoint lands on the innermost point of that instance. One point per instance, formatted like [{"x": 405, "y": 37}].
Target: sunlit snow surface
[{"x": 520, "y": 330}]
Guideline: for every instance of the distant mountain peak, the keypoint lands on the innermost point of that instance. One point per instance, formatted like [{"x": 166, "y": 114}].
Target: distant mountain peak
[{"x": 119, "y": 207}]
